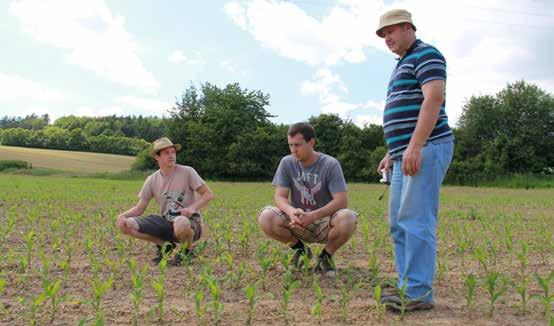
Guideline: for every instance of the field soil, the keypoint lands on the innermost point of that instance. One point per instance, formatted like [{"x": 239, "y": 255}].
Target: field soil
[
  {"x": 77, "y": 162},
  {"x": 52, "y": 217}
]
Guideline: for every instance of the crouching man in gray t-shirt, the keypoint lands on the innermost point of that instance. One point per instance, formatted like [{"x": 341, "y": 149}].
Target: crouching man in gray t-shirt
[{"x": 317, "y": 210}]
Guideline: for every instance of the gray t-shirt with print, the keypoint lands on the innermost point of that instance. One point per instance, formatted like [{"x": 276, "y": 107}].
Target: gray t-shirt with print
[{"x": 311, "y": 187}]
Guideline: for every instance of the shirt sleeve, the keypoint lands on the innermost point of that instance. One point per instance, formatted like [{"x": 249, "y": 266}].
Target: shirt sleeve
[
  {"x": 146, "y": 190},
  {"x": 431, "y": 65},
  {"x": 195, "y": 181},
  {"x": 337, "y": 183},
  {"x": 280, "y": 179}
]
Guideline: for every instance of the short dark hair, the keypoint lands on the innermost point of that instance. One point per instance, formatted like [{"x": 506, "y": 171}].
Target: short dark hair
[{"x": 303, "y": 128}]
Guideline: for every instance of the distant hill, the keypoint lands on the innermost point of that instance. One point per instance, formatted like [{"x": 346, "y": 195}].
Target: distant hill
[{"x": 83, "y": 162}]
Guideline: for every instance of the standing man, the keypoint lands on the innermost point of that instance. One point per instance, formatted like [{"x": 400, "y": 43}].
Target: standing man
[
  {"x": 174, "y": 187},
  {"x": 317, "y": 210},
  {"x": 420, "y": 148}
]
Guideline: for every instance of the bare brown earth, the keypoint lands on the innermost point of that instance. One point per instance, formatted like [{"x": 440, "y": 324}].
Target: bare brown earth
[{"x": 78, "y": 213}]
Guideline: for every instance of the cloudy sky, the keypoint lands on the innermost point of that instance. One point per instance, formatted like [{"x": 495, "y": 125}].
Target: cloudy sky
[{"x": 100, "y": 57}]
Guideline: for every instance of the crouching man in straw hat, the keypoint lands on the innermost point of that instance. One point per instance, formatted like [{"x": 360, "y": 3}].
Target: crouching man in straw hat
[
  {"x": 420, "y": 146},
  {"x": 174, "y": 187}
]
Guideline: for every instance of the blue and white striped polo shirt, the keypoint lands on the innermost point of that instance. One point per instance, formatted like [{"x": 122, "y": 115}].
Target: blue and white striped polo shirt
[{"x": 421, "y": 63}]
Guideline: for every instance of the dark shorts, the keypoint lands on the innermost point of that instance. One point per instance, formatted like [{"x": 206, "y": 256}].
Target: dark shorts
[{"x": 161, "y": 228}]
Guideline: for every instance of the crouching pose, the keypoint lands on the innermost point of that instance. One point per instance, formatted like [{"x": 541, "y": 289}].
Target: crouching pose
[
  {"x": 317, "y": 210},
  {"x": 174, "y": 187}
]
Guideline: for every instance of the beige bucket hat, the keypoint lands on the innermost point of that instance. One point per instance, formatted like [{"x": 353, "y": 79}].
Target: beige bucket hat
[
  {"x": 162, "y": 143},
  {"x": 393, "y": 17}
]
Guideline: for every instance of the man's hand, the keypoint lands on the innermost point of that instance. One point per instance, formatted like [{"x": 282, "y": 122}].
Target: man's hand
[
  {"x": 385, "y": 164},
  {"x": 411, "y": 160},
  {"x": 308, "y": 218},
  {"x": 295, "y": 215},
  {"x": 120, "y": 221},
  {"x": 187, "y": 212}
]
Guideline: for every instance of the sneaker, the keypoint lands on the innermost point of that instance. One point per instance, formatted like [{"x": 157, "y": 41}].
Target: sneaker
[
  {"x": 297, "y": 261},
  {"x": 159, "y": 254},
  {"x": 394, "y": 303},
  {"x": 389, "y": 291},
  {"x": 184, "y": 256},
  {"x": 326, "y": 266}
]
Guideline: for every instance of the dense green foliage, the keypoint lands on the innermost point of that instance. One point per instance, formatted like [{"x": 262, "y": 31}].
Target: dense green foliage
[
  {"x": 13, "y": 164},
  {"x": 511, "y": 132},
  {"x": 226, "y": 134}
]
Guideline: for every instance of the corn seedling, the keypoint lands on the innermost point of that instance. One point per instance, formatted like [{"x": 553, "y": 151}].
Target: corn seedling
[
  {"x": 250, "y": 294},
  {"x": 546, "y": 298},
  {"x": 159, "y": 286},
  {"x": 290, "y": 285},
  {"x": 521, "y": 287},
  {"x": 495, "y": 286},
  {"x": 199, "y": 308},
  {"x": 379, "y": 307},
  {"x": 317, "y": 308},
  {"x": 347, "y": 289},
  {"x": 36, "y": 302},
  {"x": 51, "y": 290},
  {"x": 470, "y": 283},
  {"x": 2, "y": 288},
  {"x": 137, "y": 277}
]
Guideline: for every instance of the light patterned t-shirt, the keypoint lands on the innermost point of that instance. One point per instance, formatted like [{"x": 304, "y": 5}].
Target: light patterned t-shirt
[{"x": 174, "y": 192}]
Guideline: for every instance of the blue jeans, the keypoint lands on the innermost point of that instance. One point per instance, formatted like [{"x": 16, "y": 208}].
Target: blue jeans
[{"x": 413, "y": 208}]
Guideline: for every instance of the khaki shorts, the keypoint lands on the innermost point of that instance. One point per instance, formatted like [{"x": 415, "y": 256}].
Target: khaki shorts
[{"x": 317, "y": 232}]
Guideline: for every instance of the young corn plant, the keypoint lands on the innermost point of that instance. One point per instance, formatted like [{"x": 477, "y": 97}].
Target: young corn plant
[
  {"x": 290, "y": 285},
  {"x": 245, "y": 239},
  {"x": 373, "y": 264},
  {"x": 99, "y": 289},
  {"x": 137, "y": 277},
  {"x": 159, "y": 286},
  {"x": 2, "y": 288},
  {"x": 30, "y": 241},
  {"x": 521, "y": 287},
  {"x": 51, "y": 290},
  {"x": 442, "y": 267},
  {"x": 509, "y": 240},
  {"x": 495, "y": 286},
  {"x": 215, "y": 291},
  {"x": 379, "y": 307},
  {"x": 36, "y": 302},
  {"x": 250, "y": 294},
  {"x": 199, "y": 308},
  {"x": 347, "y": 289},
  {"x": 317, "y": 308},
  {"x": 470, "y": 282},
  {"x": 546, "y": 298}
]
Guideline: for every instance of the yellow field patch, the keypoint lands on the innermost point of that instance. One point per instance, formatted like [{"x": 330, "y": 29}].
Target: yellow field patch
[{"x": 82, "y": 162}]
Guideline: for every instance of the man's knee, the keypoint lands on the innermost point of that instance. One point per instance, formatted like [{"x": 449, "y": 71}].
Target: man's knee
[
  {"x": 129, "y": 226},
  {"x": 346, "y": 220},
  {"x": 182, "y": 227}
]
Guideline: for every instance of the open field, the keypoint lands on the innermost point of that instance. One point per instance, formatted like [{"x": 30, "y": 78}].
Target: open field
[
  {"x": 76, "y": 162},
  {"x": 63, "y": 260}
]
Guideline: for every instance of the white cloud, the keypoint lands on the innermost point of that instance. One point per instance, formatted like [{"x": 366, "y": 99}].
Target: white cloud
[
  {"x": 331, "y": 90},
  {"x": 487, "y": 43},
  {"x": 15, "y": 88},
  {"x": 91, "y": 35},
  {"x": 178, "y": 56},
  {"x": 230, "y": 66},
  {"x": 144, "y": 106},
  {"x": 364, "y": 119},
  {"x": 289, "y": 30}
]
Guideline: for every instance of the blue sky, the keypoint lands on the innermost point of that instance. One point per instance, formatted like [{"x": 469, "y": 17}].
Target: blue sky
[{"x": 100, "y": 57}]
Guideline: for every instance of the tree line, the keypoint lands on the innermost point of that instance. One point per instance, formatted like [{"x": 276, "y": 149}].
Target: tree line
[{"x": 227, "y": 133}]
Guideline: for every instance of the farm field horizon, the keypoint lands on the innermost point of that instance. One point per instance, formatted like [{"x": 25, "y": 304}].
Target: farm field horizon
[
  {"x": 68, "y": 161},
  {"x": 58, "y": 230}
]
